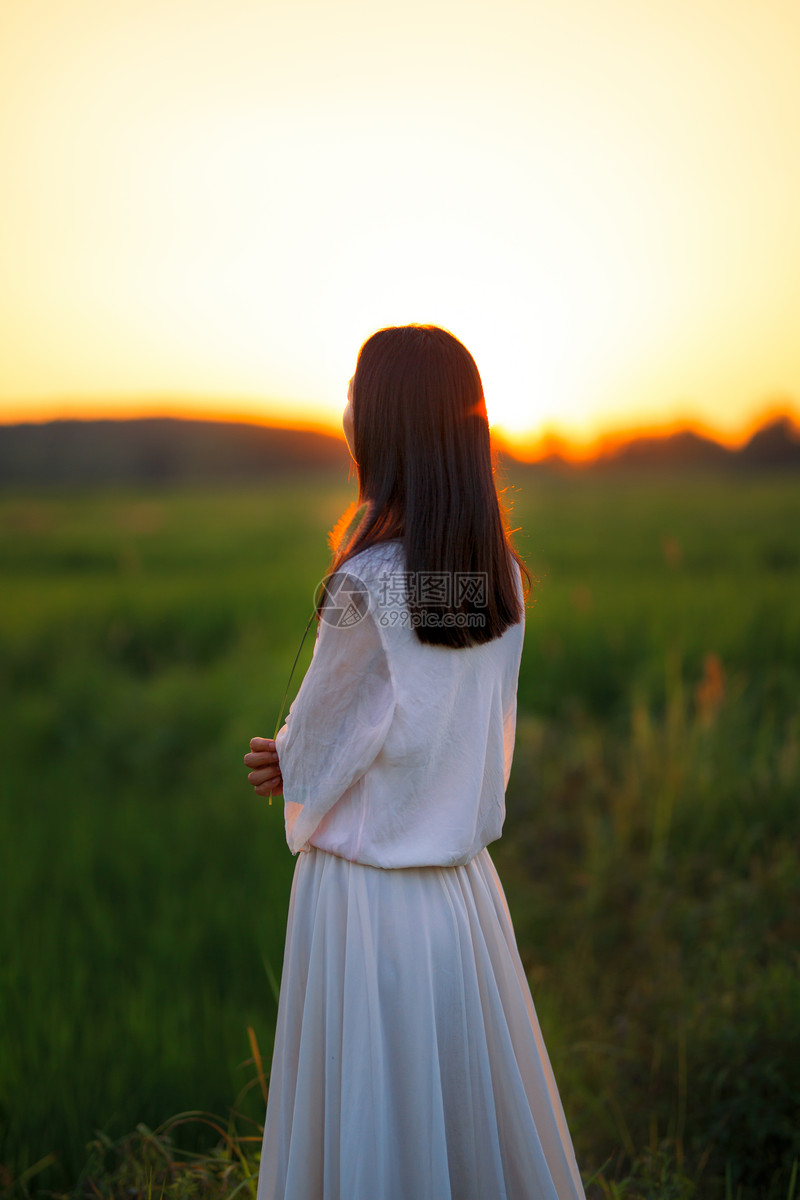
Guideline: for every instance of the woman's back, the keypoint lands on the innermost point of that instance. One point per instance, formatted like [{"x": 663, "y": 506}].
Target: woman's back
[{"x": 396, "y": 752}]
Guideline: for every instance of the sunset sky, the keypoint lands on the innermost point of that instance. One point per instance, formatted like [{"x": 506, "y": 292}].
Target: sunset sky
[{"x": 207, "y": 206}]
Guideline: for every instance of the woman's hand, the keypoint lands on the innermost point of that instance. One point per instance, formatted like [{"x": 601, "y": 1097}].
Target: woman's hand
[{"x": 265, "y": 775}]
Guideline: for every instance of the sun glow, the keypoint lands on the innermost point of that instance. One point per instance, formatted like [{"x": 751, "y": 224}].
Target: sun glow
[{"x": 213, "y": 206}]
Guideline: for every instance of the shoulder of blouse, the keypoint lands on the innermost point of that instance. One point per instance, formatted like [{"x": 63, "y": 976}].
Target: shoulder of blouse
[
  {"x": 369, "y": 567},
  {"x": 368, "y": 563}
]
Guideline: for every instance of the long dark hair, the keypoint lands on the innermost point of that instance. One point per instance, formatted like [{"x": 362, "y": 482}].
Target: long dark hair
[{"x": 426, "y": 476}]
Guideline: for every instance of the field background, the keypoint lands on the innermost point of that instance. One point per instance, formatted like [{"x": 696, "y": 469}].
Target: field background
[{"x": 650, "y": 856}]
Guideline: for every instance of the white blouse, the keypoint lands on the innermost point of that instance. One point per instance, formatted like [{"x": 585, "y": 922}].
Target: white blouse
[{"x": 397, "y": 753}]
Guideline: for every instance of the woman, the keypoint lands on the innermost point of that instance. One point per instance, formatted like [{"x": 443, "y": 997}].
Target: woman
[{"x": 408, "y": 1061}]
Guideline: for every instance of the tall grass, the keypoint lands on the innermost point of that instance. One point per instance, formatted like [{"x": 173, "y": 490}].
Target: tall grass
[{"x": 649, "y": 857}]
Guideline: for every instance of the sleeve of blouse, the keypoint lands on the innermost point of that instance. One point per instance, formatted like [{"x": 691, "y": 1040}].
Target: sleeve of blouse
[
  {"x": 510, "y": 714},
  {"x": 336, "y": 725},
  {"x": 509, "y": 736}
]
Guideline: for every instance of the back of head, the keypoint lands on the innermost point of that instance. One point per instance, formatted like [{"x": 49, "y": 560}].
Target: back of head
[{"x": 426, "y": 476}]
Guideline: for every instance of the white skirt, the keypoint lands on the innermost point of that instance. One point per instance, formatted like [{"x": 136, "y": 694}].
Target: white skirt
[{"x": 408, "y": 1060}]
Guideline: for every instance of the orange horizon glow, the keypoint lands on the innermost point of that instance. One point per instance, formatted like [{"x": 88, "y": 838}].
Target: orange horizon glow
[
  {"x": 236, "y": 411},
  {"x": 532, "y": 450},
  {"x": 524, "y": 449}
]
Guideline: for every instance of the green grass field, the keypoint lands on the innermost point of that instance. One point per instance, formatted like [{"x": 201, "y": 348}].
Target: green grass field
[{"x": 650, "y": 855}]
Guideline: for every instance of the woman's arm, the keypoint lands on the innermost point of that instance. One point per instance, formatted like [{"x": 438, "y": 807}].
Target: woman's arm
[{"x": 335, "y": 727}]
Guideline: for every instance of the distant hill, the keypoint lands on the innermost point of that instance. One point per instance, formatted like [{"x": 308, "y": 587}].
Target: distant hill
[
  {"x": 160, "y": 450},
  {"x": 166, "y": 450},
  {"x": 776, "y": 444},
  {"x": 684, "y": 448}
]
